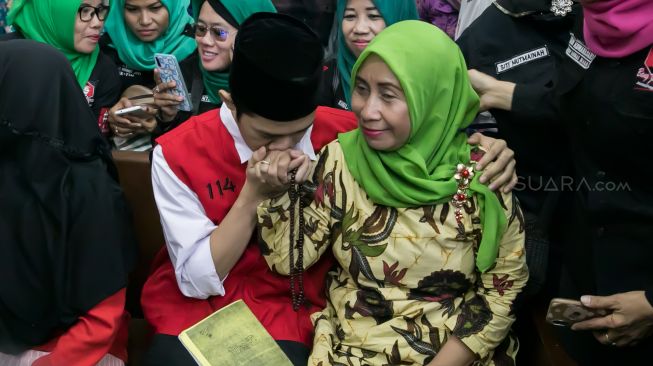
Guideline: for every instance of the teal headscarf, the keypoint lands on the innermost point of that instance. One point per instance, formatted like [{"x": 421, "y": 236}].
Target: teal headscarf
[
  {"x": 239, "y": 10},
  {"x": 441, "y": 102},
  {"x": 53, "y": 22},
  {"x": 392, "y": 11},
  {"x": 139, "y": 55}
]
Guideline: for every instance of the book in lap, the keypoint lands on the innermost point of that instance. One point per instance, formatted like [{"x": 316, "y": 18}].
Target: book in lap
[{"x": 232, "y": 336}]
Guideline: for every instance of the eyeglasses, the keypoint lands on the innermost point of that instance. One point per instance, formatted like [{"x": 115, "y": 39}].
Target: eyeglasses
[
  {"x": 217, "y": 33},
  {"x": 86, "y": 12}
]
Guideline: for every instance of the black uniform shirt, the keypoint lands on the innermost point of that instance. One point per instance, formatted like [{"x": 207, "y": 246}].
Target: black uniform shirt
[
  {"x": 526, "y": 51},
  {"x": 128, "y": 75},
  {"x": 609, "y": 120},
  {"x": 331, "y": 93}
]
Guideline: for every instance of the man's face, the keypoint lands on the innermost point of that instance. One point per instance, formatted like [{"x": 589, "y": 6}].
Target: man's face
[{"x": 258, "y": 131}]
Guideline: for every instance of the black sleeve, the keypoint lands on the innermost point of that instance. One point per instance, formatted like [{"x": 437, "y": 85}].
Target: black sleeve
[
  {"x": 540, "y": 103},
  {"x": 108, "y": 86}
]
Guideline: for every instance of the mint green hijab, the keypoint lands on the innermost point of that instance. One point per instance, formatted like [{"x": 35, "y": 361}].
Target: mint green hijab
[
  {"x": 239, "y": 10},
  {"x": 139, "y": 55},
  {"x": 392, "y": 11},
  {"x": 53, "y": 22},
  {"x": 441, "y": 102}
]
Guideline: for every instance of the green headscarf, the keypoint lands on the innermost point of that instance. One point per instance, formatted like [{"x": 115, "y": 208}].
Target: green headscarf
[
  {"x": 239, "y": 10},
  {"x": 441, "y": 102},
  {"x": 53, "y": 22},
  {"x": 139, "y": 55},
  {"x": 392, "y": 11}
]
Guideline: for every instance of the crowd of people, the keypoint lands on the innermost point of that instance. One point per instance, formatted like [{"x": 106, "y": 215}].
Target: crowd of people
[{"x": 380, "y": 181}]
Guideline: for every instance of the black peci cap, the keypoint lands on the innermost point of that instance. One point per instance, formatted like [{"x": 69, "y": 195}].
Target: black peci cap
[{"x": 276, "y": 67}]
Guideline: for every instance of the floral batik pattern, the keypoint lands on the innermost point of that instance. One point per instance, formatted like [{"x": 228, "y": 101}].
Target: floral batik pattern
[{"x": 407, "y": 279}]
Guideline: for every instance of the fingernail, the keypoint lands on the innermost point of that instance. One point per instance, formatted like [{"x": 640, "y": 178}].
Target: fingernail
[
  {"x": 482, "y": 179},
  {"x": 586, "y": 300}
]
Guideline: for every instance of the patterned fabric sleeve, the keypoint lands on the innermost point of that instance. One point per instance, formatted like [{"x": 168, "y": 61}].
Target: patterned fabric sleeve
[
  {"x": 318, "y": 195},
  {"x": 484, "y": 318}
]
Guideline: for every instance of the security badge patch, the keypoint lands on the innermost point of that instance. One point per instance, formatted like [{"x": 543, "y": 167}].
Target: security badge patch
[
  {"x": 645, "y": 74},
  {"x": 579, "y": 53}
]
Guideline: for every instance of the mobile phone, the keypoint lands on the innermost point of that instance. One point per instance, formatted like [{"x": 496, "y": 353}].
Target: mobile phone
[
  {"x": 136, "y": 111},
  {"x": 566, "y": 312},
  {"x": 170, "y": 71}
]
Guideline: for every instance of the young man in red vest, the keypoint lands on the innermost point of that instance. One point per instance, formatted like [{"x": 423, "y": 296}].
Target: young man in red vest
[{"x": 208, "y": 207}]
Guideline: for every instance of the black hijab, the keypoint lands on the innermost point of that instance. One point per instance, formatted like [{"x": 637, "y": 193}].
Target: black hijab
[
  {"x": 539, "y": 11},
  {"x": 519, "y": 8},
  {"x": 65, "y": 231},
  {"x": 523, "y": 7}
]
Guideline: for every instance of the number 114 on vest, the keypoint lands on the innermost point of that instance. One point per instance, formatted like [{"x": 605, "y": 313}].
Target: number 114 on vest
[{"x": 220, "y": 187}]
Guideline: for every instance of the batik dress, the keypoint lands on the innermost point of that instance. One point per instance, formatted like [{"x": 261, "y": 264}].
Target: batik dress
[{"x": 407, "y": 278}]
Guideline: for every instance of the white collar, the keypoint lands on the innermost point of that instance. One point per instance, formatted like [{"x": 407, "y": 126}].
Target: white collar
[{"x": 244, "y": 152}]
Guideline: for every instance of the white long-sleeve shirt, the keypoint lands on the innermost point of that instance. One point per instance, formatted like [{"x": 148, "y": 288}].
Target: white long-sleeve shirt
[{"x": 186, "y": 227}]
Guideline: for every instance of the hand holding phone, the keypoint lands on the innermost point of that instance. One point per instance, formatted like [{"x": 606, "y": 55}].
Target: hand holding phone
[
  {"x": 135, "y": 111},
  {"x": 566, "y": 312},
  {"x": 169, "y": 71}
]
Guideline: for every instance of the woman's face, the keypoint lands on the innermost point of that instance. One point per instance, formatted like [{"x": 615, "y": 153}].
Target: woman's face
[
  {"x": 87, "y": 32},
  {"x": 362, "y": 21},
  {"x": 147, "y": 19},
  {"x": 216, "y": 44},
  {"x": 380, "y": 105}
]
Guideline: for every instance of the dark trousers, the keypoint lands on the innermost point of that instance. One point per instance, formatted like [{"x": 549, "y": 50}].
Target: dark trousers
[{"x": 167, "y": 350}]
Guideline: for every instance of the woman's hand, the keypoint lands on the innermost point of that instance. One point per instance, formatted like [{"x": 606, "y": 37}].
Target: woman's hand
[
  {"x": 167, "y": 103},
  {"x": 501, "y": 173},
  {"x": 268, "y": 173},
  {"x": 125, "y": 126},
  {"x": 630, "y": 320},
  {"x": 494, "y": 93}
]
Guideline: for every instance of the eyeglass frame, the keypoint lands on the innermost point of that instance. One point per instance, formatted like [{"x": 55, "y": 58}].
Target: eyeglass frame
[
  {"x": 213, "y": 31},
  {"x": 96, "y": 12}
]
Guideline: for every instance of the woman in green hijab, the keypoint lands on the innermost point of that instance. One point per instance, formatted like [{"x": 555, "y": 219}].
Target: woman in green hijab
[
  {"x": 207, "y": 72},
  {"x": 358, "y": 22},
  {"x": 135, "y": 31},
  {"x": 73, "y": 27},
  {"x": 430, "y": 260}
]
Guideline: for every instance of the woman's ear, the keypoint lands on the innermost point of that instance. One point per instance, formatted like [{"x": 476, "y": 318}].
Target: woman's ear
[{"x": 226, "y": 99}]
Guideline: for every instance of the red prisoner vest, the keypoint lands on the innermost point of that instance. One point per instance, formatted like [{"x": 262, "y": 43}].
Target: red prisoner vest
[{"x": 202, "y": 154}]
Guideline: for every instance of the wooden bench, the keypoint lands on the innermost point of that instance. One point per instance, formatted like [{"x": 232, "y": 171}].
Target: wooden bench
[{"x": 135, "y": 179}]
